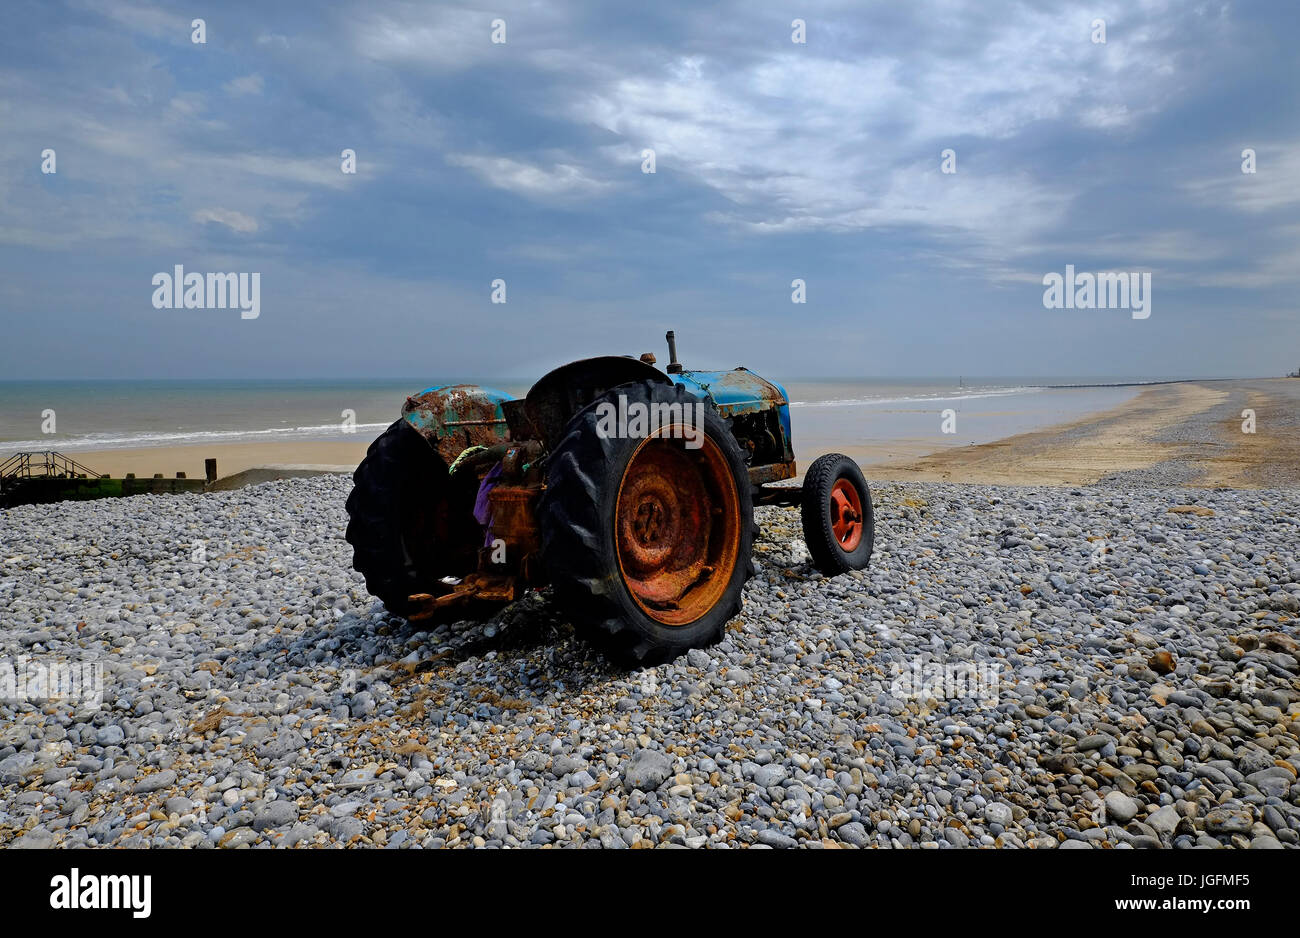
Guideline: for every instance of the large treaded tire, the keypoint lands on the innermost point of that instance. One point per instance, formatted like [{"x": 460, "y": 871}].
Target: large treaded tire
[
  {"x": 389, "y": 527},
  {"x": 828, "y": 555},
  {"x": 579, "y": 541}
]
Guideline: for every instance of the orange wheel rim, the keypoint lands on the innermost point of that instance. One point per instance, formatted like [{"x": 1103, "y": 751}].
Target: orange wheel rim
[
  {"x": 846, "y": 515},
  {"x": 677, "y": 528}
]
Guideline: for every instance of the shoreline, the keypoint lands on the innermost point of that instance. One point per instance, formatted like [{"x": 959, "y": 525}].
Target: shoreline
[{"x": 1192, "y": 423}]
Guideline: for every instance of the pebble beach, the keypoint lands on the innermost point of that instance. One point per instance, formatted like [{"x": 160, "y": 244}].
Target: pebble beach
[{"x": 1108, "y": 666}]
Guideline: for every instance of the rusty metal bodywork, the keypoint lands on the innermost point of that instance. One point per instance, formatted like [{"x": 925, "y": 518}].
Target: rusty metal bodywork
[
  {"x": 455, "y": 417},
  {"x": 515, "y": 435}
]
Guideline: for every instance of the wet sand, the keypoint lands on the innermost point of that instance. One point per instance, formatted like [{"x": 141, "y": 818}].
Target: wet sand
[{"x": 1190, "y": 433}]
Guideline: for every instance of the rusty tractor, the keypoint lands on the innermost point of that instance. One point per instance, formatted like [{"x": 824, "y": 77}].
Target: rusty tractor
[{"x": 630, "y": 491}]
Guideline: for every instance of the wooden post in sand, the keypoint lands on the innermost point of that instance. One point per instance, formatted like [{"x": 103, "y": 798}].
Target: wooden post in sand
[{"x": 210, "y": 469}]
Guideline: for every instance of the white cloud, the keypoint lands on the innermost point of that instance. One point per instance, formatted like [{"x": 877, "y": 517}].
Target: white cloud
[
  {"x": 428, "y": 37},
  {"x": 235, "y": 221},
  {"x": 528, "y": 179},
  {"x": 248, "y": 84},
  {"x": 811, "y": 137},
  {"x": 111, "y": 135},
  {"x": 1274, "y": 184},
  {"x": 1277, "y": 264},
  {"x": 143, "y": 18}
]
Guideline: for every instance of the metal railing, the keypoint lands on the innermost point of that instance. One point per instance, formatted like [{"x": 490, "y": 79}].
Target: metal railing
[{"x": 43, "y": 465}]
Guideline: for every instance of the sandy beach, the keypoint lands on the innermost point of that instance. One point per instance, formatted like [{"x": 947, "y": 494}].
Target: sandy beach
[
  {"x": 231, "y": 457},
  {"x": 1188, "y": 433}
]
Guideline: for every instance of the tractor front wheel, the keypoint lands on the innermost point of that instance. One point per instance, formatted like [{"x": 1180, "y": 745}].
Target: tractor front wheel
[
  {"x": 647, "y": 539},
  {"x": 838, "y": 523}
]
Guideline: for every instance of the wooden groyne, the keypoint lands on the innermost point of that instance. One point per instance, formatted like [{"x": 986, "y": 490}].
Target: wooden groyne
[{"x": 39, "y": 478}]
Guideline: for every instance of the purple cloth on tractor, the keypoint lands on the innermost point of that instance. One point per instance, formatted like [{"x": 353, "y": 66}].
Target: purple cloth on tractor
[{"x": 482, "y": 506}]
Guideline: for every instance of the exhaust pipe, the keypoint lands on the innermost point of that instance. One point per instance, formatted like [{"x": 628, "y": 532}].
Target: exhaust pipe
[{"x": 674, "y": 366}]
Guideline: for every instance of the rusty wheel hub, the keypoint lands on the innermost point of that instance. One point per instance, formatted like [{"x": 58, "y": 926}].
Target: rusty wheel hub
[
  {"x": 846, "y": 514},
  {"x": 677, "y": 521}
]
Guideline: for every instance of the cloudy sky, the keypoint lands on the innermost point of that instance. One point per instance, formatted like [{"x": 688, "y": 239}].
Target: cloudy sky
[{"x": 775, "y": 160}]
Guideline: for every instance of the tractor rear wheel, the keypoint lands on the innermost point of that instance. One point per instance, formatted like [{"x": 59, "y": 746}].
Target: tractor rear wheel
[
  {"x": 838, "y": 523},
  {"x": 402, "y": 512},
  {"x": 648, "y": 542}
]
